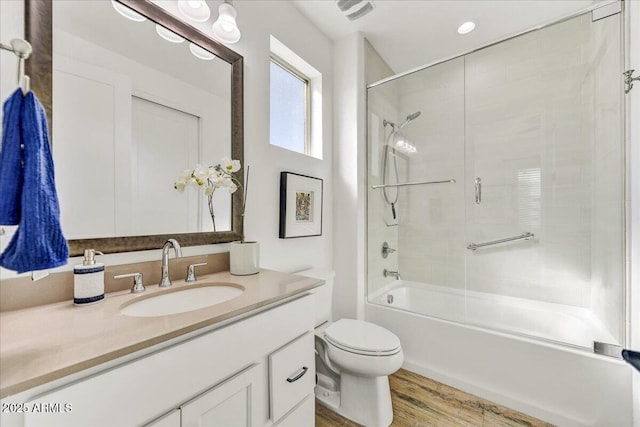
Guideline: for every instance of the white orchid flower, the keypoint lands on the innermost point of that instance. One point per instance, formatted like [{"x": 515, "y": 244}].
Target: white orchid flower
[
  {"x": 201, "y": 174},
  {"x": 179, "y": 185},
  {"x": 208, "y": 191},
  {"x": 232, "y": 187},
  {"x": 230, "y": 166},
  {"x": 219, "y": 180}
]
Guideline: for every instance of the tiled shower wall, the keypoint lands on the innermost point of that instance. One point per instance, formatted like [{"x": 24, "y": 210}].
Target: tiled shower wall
[{"x": 432, "y": 216}]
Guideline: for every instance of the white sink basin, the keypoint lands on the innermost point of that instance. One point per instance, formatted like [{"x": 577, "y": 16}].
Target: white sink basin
[{"x": 182, "y": 300}]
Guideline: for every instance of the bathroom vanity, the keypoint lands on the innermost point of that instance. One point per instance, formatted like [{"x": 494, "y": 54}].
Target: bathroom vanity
[{"x": 248, "y": 361}]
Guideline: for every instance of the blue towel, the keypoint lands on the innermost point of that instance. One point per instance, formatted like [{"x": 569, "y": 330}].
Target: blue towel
[
  {"x": 38, "y": 243},
  {"x": 10, "y": 161}
]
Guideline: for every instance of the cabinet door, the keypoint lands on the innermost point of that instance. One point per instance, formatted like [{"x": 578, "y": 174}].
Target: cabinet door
[
  {"x": 303, "y": 416},
  {"x": 231, "y": 404}
]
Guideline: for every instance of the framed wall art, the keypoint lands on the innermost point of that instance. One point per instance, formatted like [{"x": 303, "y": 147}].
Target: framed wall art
[{"x": 300, "y": 205}]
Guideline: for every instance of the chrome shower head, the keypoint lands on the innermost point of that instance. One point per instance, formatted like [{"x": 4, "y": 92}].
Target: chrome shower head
[
  {"x": 395, "y": 127},
  {"x": 413, "y": 116},
  {"x": 410, "y": 117}
]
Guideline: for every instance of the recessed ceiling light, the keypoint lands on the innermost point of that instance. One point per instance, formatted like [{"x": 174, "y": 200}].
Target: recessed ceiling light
[
  {"x": 127, "y": 13},
  {"x": 467, "y": 27},
  {"x": 168, "y": 35}
]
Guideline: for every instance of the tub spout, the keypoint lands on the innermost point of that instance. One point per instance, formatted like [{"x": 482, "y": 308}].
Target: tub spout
[{"x": 391, "y": 273}]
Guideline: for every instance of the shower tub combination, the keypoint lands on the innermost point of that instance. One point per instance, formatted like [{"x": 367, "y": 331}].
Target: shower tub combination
[{"x": 496, "y": 221}]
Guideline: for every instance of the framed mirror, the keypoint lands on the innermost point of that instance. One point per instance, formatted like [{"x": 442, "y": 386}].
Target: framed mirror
[{"x": 129, "y": 110}]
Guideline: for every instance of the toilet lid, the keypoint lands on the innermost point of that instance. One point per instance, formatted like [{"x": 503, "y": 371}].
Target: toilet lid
[{"x": 362, "y": 337}]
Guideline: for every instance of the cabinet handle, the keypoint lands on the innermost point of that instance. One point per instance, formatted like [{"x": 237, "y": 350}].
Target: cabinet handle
[{"x": 300, "y": 375}]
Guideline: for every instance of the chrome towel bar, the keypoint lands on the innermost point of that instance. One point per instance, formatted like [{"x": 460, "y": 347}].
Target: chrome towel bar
[
  {"x": 405, "y": 184},
  {"x": 524, "y": 236}
]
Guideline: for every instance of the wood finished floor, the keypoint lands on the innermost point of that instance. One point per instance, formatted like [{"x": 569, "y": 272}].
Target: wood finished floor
[{"x": 419, "y": 401}]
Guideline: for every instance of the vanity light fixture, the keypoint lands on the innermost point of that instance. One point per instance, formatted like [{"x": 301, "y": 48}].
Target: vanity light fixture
[
  {"x": 195, "y": 10},
  {"x": 466, "y": 28},
  {"x": 225, "y": 28},
  {"x": 168, "y": 35},
  {"x": 201, "y": 53},
  {"x": 127, "y": 13}
]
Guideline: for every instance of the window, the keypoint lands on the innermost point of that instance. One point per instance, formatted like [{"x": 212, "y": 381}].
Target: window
[
  {"x": 289, "y": 118},
  {"x": 296, "y": 102}
]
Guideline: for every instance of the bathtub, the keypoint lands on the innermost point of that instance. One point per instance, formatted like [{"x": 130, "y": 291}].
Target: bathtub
[{"x": 561, "y": 384}]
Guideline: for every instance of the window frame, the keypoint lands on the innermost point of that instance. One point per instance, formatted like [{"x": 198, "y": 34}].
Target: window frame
[{"x": 278, "y": 61}]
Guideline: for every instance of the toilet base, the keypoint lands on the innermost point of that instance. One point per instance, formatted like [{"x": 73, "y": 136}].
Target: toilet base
[{"x": 364, "y": 400}]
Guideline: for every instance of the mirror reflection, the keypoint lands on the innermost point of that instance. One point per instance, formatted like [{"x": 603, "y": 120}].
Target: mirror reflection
[{"x": 133, "y": 107}]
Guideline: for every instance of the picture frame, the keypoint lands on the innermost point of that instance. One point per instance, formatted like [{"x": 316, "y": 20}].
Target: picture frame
[{"x": 301, "y": 199}]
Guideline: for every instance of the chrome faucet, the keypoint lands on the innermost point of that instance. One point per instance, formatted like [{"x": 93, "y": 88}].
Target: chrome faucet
[
  {"x": 395, "y": 274},
  {"x": 165, "y": 281}
]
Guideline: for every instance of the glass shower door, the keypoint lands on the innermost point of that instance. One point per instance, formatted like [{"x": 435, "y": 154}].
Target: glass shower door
[
  {"x": 415, "y": 194},
  {"x": 544, "y": 184}
]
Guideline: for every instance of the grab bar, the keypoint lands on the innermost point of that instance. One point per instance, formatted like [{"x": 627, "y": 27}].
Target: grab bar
[
  {"x": 405, "y": 184},
  {"x": 524, "y": 236}
]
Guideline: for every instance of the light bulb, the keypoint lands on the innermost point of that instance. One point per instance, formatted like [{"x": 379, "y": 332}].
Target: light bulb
[
  {"x": 226, "y": 28},
  {"x": 200, "y": 53},
  {"x": 127, "y": 12},
  {"x": 168, "y": 35},
  {"x": 195, "y": 10}
]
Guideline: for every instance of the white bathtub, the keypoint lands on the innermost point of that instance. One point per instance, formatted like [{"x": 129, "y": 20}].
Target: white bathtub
[
  {"x": 559, "y": 384},
  {"x": 555, "y": 322}
]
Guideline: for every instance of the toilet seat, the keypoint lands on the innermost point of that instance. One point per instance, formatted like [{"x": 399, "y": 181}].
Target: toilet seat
[{"x": 363, "y": 338}]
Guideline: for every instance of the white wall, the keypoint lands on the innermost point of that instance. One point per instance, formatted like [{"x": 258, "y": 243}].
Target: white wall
[
  {"x": 257, "y": 21},
  {"x": 349, "y": 169}
]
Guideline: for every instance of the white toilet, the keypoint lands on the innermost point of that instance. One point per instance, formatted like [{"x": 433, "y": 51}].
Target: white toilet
[{"x": 353, "y": 361}]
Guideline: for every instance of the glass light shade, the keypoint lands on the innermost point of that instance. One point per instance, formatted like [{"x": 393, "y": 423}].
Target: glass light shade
[
  {"x": 467, "y": 27},
  {"x": 168, "y": 35},
  {"x": 225, "y": 28},
  {"x": 195, "y": 10},
  {"x": 200, "y": 53},
  {"x": 127, "y": 13}
]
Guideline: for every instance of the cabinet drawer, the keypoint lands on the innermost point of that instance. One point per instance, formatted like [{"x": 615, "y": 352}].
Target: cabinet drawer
[{"x": 292, "y": 374}]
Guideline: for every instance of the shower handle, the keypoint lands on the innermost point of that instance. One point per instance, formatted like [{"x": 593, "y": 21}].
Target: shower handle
[
  {"x": 478, "y": 186},
  {"x": 386, "y": 250}
]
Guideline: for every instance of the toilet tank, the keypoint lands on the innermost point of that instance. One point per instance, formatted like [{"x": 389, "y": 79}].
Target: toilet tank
[{"x": 324, "y": 293}]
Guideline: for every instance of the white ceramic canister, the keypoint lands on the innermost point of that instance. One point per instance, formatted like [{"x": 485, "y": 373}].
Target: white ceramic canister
[{"x": 244, "y": 258}]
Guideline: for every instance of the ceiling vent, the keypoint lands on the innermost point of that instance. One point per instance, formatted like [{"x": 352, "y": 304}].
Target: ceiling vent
[{"x": 355, "y": 9}]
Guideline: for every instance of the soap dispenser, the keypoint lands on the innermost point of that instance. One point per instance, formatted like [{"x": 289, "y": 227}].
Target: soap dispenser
[{"x": 88, "y": 279}]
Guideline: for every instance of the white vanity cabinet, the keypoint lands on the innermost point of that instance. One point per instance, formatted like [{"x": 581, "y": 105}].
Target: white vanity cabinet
[{"x": 235, "y": 375}]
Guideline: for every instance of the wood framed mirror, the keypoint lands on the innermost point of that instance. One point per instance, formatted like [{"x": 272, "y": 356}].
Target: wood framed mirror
[{"x": 39, "y": 30}]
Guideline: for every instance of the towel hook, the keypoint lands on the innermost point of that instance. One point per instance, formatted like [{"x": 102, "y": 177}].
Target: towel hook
[{"x": 22, "y": 49}]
